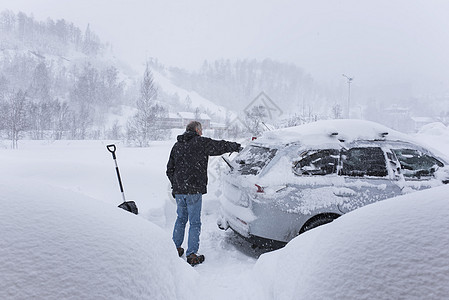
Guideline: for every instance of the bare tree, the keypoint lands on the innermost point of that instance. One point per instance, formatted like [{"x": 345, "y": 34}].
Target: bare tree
[
  {"x": 197, "y": 113},
  {"x": 15, "y": 116},
  {"x": 188, "y": 103},
  {"x": 82, "y": 120},
  {"x": 337, "y": 111},
  {"x": 115, "y": 133},
  {"x": 62, "y": 115},
  {"x": 39, "y": 119},
  {"x": 254, "y": 119}
]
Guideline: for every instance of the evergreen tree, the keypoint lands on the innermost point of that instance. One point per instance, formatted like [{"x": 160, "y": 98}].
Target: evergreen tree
[
  {"x": 84, "y": 96},
  {"x": 91, "y": 44},
  {"x": 40, "y": 86},
  {"x": 146, "y": 124},
  {"x": 3, "y": 87}
]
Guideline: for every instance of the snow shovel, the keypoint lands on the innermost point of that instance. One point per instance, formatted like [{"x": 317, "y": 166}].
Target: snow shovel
[{"x": 126, "y": 205}]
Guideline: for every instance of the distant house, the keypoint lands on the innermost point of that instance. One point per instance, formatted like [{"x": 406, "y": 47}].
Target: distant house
[
  {"x": 172, "y": 121},
  {"x": 398, "y": 118},
  {"x": 219, "y": 128},
  {"x": 181, "y": 119},
  {"x": 187, "y": 117},
  {"x": 421, "y": 121}
]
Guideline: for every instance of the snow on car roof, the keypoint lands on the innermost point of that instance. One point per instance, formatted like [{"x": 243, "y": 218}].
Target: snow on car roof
[{"x": 331, "y": 131}]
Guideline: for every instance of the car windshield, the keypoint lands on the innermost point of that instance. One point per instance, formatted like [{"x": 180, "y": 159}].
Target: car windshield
[
  {"x": 415, "y": 164},
  {"x": 364, "y": 161},
  {"x": 252, "y": 161}
]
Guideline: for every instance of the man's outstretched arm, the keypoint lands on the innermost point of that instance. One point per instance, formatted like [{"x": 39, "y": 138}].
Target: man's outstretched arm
[{"x": 216, "y": 147}]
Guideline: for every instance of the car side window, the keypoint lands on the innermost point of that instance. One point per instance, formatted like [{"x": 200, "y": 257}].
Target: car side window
[
  {"x": 363, "y": 161},
  {"x": 319, "y": 162},
  {"x": 415, "y": 164}
]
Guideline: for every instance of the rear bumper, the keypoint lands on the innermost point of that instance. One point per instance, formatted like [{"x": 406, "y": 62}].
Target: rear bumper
[
  {"x": 261, "y": 242},
  {"x": 261, "y": 222},
  {"x": 236, "y": 217}
]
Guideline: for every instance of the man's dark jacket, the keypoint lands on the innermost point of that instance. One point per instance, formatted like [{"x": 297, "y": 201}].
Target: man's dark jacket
[{"x": 187, "y": 166}]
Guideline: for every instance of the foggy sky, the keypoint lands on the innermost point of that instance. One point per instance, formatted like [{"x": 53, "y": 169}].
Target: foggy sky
[{"x": 400, "y": 45}]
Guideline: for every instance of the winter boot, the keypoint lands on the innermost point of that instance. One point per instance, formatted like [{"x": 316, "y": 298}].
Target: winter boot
[
  {"x": 194, "y": 259},
  {"x": 180, "y": 251}
]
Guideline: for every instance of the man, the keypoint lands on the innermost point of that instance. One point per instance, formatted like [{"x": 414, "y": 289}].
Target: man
[{"x": 187, "y": 172}]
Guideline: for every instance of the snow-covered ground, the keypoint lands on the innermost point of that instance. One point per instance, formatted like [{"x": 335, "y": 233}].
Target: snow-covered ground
[{"x": 64, "y": 238}]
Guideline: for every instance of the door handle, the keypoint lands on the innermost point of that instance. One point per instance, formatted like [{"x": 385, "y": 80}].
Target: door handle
[{"x": 343, "y": 192}]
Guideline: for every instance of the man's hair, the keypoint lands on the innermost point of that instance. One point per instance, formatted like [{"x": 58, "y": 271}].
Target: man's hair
[{"x": 193, "y": 126}]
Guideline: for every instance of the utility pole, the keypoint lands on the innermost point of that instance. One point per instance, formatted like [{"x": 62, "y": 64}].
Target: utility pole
[{"x": 349, "y": 92}]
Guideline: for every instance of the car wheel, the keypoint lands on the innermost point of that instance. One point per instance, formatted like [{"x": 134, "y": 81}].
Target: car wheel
[{"x": 318, "y": 221}]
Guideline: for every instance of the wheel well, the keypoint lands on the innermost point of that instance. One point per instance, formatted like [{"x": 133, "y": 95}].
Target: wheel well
[{"x": 318, "y": 220}]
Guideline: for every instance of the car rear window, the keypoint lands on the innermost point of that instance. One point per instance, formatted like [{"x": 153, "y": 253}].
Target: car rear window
[
  {"x": 415, "y": 164},
  {"x": 364, "y": 161},
  {"x": 252, "y": 161}
]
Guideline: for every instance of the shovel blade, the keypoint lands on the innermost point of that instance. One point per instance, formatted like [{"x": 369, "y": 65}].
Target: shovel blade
[{"x": 129, "y": 206}]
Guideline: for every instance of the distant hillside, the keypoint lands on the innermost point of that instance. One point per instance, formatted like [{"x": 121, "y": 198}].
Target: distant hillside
[
  {"x": 236, "y": 83},
  {"x": 58, "y": 37},
  {"x": 181, "y": 99},
  {"x": 67, "y": 78},
  {"x": 69, "y": 84}
]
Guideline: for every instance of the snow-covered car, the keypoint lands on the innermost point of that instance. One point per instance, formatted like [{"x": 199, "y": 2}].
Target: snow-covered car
[{"x": 291, "y": 180}]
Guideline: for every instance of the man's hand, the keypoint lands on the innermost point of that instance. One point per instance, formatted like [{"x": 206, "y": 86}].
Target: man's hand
[{"x": 238, "y": 148}]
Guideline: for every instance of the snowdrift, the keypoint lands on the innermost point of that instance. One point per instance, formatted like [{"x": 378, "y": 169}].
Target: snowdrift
[
  {"x": 58, "y": 244},
  {"x": 393, "y": 249}
]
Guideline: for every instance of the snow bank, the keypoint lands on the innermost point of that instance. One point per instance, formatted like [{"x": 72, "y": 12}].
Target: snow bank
[
  {"x": 436, "y": 135},
  {"x": 58, "y": 244},
  {"x": 393, "y": 249},
  {"x": 436, "y": 128}
]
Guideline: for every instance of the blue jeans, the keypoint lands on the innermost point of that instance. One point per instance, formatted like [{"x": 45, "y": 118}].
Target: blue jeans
[{"x": 189, "y": 209}]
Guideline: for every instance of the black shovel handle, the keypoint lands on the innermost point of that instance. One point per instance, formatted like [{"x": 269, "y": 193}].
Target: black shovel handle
[{"x": 112, "y": 149}]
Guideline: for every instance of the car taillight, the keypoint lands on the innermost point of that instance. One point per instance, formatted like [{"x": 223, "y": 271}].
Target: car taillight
[
  {"x": 242, "y": 221},
  {"x": 259, "y": 188}
]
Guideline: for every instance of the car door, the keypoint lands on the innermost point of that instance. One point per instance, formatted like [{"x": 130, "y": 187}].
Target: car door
[
  {"x": 418, "y": 166},
  {"x": 312, "y": 189},
  {"x": 367, "y": 177}
]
